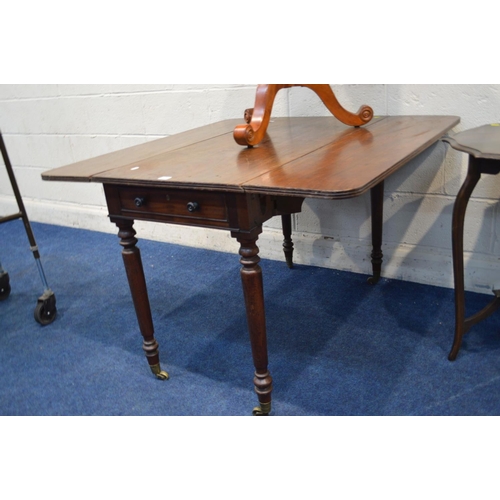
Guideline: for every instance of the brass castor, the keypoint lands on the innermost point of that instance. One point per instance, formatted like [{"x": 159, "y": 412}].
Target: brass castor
[
  {"x": 159, "y": 373},
  {"x": 262, "y": 411}
]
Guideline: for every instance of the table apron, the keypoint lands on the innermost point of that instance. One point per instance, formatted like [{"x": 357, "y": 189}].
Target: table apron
[{"x": 235, "y": 212}]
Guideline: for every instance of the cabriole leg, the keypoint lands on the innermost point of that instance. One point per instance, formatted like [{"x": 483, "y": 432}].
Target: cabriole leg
[{"x": 459, "y": 209}]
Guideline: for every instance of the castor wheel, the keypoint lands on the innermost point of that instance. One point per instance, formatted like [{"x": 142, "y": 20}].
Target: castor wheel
[
  {"x": 163, "y": 375},
  {"x": 4, "y": 286},
  {"x": 159, "y": 373},
  {"x": 263, "y": 410},
  {"x": 45, "y": 310}
]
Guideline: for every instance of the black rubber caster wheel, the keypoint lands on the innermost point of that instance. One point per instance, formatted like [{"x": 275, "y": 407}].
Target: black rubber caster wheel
[
  {"x": 4, "y": 286},
  {"x": 45, "y": 310}
]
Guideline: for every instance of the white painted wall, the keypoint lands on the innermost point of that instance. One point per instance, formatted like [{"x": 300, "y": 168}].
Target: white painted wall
[{"x": 47, "y": 126}]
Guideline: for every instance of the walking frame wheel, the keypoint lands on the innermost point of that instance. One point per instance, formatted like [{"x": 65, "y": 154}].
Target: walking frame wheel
[
  {"x": 4, "y": 286},
  {"x": 45, "y": 310}
]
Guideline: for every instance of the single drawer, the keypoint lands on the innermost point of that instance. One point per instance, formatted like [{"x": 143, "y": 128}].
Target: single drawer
[{"x": 177, "y": 206}]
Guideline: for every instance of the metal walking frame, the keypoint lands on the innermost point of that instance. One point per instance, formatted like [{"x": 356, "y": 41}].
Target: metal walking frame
[{"x": 45, "y": 310}]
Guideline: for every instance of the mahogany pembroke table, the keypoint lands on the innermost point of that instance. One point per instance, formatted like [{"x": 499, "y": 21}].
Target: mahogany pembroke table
[{"x": 203, "y": 178}]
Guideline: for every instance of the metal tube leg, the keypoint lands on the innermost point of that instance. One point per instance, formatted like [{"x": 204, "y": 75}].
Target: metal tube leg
[{"x": 45, "y": 310}]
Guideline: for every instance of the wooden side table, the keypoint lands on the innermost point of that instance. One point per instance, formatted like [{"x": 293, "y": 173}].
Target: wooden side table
[{"x": 482, "y": 144}]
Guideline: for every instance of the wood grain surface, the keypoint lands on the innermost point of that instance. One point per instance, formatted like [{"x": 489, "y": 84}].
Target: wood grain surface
[
  {"x": 480, "y": 142},
  {"x": 308, "y": 157}
]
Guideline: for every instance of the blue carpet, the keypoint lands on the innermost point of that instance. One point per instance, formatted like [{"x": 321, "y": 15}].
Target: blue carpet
[{"x": 337, "y": 346}]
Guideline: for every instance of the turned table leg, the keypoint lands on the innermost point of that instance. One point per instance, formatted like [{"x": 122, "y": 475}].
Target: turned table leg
[
  {"x": 137, "y": 282},
  {"x": 377, "y": 206},
  {"x": 473, "y": 176},
  {"x": 286, "y": 221},
  {"x": 251, "y": 277}
]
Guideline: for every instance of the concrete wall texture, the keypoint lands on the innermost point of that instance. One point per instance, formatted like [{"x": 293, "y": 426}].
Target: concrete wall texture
[{"x": 47, "y": 126}]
